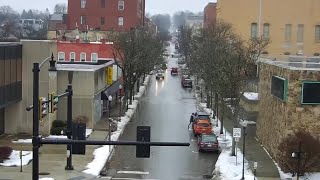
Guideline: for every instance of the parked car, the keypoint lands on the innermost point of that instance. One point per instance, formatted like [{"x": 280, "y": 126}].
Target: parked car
[
  {"x": 181, "y": 61},
  {"x": 201, "y": 115},
  {"x": 174, "y": 71},
  {"x": 186, "y": 81},
  {"x": 208, "y": 142},
  {"x": 164, "y": 66},
  {"x": 160, "y": 74},
  {"x": 202, "y": 126}
]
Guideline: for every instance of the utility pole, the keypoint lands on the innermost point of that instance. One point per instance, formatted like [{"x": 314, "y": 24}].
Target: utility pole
[
  {"x": 35, "y": 131},
  {"x": 69, "y": 127}
]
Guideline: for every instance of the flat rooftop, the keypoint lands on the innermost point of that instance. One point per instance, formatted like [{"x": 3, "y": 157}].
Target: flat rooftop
[
  {"x": 300, "y": 63},
  {"x": 86, "y": 67}
]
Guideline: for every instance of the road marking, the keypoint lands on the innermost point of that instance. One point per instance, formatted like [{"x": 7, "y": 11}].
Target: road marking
[
  {"x": 131, "y": 179},
  {"x": 132, "y": 172},
  {"x": 194, "y": 151},
  {"x": 193, "y": 140}
]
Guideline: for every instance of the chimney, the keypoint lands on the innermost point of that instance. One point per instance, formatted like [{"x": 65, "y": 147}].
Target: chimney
[
  {"x": 77, "y": 39},
  {"x": 103, "y": 40}
]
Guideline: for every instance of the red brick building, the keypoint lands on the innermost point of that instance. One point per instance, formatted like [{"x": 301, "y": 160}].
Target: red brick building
[
  {"x": 105, "y": 15},
  {"x": 210, "y": 14},
  {"x": 83, "y": 52}
]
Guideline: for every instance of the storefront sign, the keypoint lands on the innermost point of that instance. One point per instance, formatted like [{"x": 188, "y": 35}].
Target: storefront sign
[{"x": 109, "y": 75}]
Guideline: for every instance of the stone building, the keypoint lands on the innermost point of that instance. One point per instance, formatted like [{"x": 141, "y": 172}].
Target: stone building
[{"x": 293, "y": 105}]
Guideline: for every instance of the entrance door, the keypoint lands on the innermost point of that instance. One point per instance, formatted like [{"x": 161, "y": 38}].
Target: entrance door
[{"x": 2, "y": 121}]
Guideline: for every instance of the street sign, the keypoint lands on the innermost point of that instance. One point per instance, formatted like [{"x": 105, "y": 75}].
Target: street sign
[
  {"x": 236, "y": 132},
  {"x": 237, "y": 139},
  {"x": 143, "y": 135}
]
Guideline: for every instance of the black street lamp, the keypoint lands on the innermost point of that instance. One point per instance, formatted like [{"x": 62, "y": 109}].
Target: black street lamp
[
  {"x": 120, "y": 108},
  {"x": 109, "y": 114},
  {"x": 244, "y": 125},
  {"x": 297, "y": 155}
]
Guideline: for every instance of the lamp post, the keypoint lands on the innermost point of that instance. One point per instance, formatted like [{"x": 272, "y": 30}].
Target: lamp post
[
  {"x": 297, "y": 155},
  {"x": 109, "y": 108},
  {"x": 255, "y": 166},
  {"x": 120, "y": 108},
  {"x": 132, "y": 90},
  {"x": 244, "y": 125}
]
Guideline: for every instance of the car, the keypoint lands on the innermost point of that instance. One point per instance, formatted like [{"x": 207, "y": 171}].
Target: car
[
  {"x": 201, "y": 115},
  {"x": 186, "y": 81},
  {"x": 164, "y": 66},
  {"x": 201, "y": 126},
  {"x": 208, "y": 142},
  {"x": 181, "y": 61},
  {"x": 174, "y": 71},
  {"x": 160, "y": 74}
]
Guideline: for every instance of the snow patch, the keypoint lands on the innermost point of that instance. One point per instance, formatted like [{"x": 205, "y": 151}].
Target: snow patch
[
  {"x": 251, "y": 95},
  {"x": 23, "y": 141},
  {"x": 14, "y": 159},
  {"x": 47, "y": 178}
]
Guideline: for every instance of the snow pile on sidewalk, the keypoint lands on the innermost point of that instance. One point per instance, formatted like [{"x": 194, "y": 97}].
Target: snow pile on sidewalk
[
  {"x": 14, "y": 159},
  {"x": 102, "y": 154},
  {"x": 226, "y": 166},
  {"x": 251, "y": 95},
  {"x": 47, "y": 178}
]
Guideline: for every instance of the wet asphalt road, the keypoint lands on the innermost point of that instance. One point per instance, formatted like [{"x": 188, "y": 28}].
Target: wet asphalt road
[{"x": 166, "y": 107}]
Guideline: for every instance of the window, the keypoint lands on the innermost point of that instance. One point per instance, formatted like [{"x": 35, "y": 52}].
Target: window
[
  {"x": 83, "y": 3},
  {"x": 102, "y": 20},
  {"x": 72, "y": 56},
  {"x": 300, "y": 33},
  {"x": 288, "y": 32},
  {"x": 317, "y": 33},
  {"x": 83, "y": 20},
  {"x": 253, "y": 30},
  {"x": 61, "y": 56},
  {"x": 120, "y": 21},
  {"x": 103, "y": 3},
  {"x": 121, "y": 5},
  {"x": 266, "y": 30},
  {"x": 82, "y": 56},
  {"x": 94, "y": 57}
]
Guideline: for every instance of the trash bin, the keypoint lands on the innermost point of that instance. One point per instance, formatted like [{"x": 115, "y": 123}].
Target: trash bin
[{"x": 79, "y": 133}]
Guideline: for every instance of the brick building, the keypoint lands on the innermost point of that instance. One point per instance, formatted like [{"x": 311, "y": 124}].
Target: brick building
[
  {"x": 105, "y": 15},
  {"x": 210, "y": 14}
]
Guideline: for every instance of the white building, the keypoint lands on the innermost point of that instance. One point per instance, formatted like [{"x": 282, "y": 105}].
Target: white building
[{"x": 37, "y": 24}]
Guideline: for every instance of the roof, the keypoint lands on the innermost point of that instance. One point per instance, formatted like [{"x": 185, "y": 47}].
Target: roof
[
  {"x": 201, "y": 113},
  {"x": 56, "y": 17},
  {"x": 88, "y": 67},
  {"x": 296, "y": 63}
]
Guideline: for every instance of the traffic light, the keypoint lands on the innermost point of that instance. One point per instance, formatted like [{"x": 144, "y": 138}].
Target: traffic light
[
  {"x": 143, "y": 135},
  {"x": 53, "y": 103},
  {"x": 42, "y": 108}
]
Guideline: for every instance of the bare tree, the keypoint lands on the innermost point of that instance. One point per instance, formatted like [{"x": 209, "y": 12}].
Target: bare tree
[{"x": 60, "y": 8}]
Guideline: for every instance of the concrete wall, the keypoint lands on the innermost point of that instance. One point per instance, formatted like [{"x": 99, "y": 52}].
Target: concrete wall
[
  {"x": 87, "y": 87},
  {"x": 277, "y": 13},
  {"x": 277, "y": 118},
  {"x": 16, "y": 117}
]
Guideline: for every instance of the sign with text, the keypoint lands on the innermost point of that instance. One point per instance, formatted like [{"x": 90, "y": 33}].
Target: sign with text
[
  {"x": 236, "y": 132},
  {"x": 109, "y": 75}
]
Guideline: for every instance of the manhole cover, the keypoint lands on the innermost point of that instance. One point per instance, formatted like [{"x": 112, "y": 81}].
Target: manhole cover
[
  {"x": 44, "y": 173},
  {"x": 207, "y": 176}
]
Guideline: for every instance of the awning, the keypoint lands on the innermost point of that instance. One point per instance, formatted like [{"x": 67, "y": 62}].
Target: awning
[{"x": 111, "y": 90}]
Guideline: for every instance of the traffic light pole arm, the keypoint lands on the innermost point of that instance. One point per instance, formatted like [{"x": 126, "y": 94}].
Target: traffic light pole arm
[
  {"x": 100, "y": 142},
  {"x": 29, "y": 108}
]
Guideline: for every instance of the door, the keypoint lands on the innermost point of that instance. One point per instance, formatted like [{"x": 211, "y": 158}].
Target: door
[{"x": 2, "y": 121}]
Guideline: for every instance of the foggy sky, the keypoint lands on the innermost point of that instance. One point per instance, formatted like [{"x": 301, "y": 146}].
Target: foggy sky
[{"x": 152, "y": 6}]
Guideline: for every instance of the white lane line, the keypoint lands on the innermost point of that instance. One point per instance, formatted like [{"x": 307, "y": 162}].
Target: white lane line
[
  {"x": 132, "y": 172},
  {"x": 194, "y": 151},
  {"x": 193, "y": 140},
  {"x": 131, "y": 179}
]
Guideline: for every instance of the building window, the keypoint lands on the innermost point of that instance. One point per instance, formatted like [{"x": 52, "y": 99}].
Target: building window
[
  {"x": 61, "y": 56},
  {"x": 102, "y": 20},
  {"x": 83, "y": 3},
  {"x": 94, "y": 57},
  {"x": 103, "y": 3},
  {"x": 82, "y": 56},
  {"x": 253, "y": 30},
  {"x": 317, "y": 31},
  {"x": 120, "y": 21},
  {"x": 121, "y": 5},
  {"x": 266, "y": 30},
  {"x": 288, "y": 32},
  {"x": 83, "y": 20},
  {"x": 300, "y": 33},
  {"x": 72, "y": 56}
]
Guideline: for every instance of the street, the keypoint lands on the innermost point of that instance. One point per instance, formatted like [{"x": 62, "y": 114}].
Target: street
[{"x": 166, "y": 107}]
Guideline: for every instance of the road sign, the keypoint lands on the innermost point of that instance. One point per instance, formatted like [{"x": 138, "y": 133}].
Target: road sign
[
  {"x": 236, "y": 132},
  {"x": 237, "y": 139}
]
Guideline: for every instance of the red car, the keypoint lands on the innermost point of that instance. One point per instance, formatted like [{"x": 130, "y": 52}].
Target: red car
[
  {"x": 208, "y": 142},
  {"x": 174, "y": 71}
]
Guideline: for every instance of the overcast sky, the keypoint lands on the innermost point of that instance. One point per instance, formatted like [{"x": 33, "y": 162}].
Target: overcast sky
[{"x": 152, "y": 6}]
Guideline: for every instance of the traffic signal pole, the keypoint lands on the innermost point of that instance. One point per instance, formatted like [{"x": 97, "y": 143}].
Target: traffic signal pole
[
  {"x": 69, "y": 128},
  {"x": 35, "y": 131}
]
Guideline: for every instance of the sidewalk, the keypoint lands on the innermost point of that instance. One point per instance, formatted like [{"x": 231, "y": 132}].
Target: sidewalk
[{"x": 255, "y": 152}]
